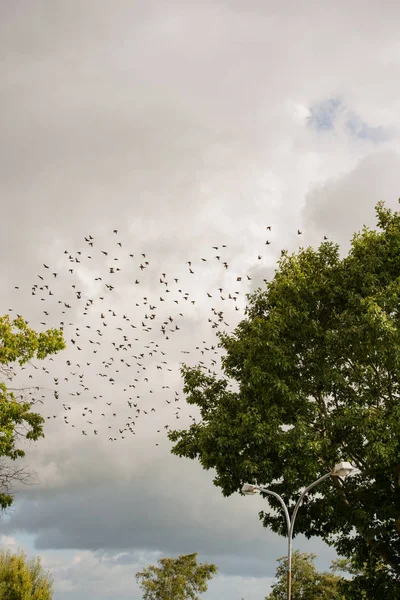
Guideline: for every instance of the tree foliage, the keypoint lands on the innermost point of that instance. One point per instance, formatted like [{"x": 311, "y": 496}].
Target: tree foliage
[
  {"x": 26, "y": 343},
  {"x": 178, "y": 578},
  {"x": 21, "y": 579},
  {"x": 317, "y": 365},
  {"x": 371, "y": 579},
  {"x": 19, "y": 344},
  {"x": 307, "y": 582}
]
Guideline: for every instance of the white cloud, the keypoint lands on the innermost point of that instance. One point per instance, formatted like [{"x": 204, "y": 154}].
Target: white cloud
[
  {"x": 91, "y": 573},
  {"x": 7, "y": 540},
  {"x": 184, "y": 127}
]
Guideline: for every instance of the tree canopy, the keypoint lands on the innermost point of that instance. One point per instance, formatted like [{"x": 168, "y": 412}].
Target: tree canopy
[
  {"x": 316, "y": 363},
  {"x": 21, "y": 579},
  {"x": 179, "y": 578},
  {"x": 19, "y": 344},
  {"x": 307, "y": 582}
]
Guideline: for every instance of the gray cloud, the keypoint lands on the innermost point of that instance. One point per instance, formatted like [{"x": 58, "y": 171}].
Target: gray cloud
[
  {"x": 165, "y": 506},
  {"x": 184, "y": 127},
  {"x": 336, "y": 206}
]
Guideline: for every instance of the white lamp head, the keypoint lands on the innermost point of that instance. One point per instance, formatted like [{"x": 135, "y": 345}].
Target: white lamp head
[
  {"x": 342, "y": 469},
  {"x": 249, "y": 490}
]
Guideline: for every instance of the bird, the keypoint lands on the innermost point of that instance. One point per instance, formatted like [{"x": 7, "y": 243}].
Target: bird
[{"x": 144, "y": 349}]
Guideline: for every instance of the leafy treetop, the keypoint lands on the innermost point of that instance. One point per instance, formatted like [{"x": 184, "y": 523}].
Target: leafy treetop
[
  {"x": 21, "y": 579},
  {"x": 307, "y": 582},
  {"x": 317, "y": 366},
  {"x": 179, "y": 578}
]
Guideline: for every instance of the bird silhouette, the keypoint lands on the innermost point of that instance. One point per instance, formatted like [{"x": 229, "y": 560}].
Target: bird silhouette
[{"x": 122, "y": 359}]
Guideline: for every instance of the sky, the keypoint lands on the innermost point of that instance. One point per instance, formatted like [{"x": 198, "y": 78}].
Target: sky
[{"x": 183, "y": 126}]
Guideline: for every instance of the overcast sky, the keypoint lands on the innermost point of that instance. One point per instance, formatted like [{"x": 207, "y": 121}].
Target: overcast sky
[{"x": 183, "y": 126}]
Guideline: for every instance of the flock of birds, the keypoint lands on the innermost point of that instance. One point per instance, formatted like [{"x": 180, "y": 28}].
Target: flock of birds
[{"x": 126, "y": 339}]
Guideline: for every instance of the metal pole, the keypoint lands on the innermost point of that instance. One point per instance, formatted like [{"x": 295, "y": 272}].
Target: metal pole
[
  {"x": 290, "y": 524},
  {"x": 289, "y": 568}
]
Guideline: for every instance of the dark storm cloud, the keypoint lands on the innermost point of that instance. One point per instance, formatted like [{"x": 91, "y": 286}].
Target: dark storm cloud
[{"x": 158, "y": 504}]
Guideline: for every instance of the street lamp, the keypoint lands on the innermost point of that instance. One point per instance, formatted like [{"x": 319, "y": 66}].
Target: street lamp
[{"x": 342, "y": 470}]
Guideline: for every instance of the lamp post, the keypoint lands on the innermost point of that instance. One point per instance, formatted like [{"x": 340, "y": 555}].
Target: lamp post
[{"x": 342, "y": 470}]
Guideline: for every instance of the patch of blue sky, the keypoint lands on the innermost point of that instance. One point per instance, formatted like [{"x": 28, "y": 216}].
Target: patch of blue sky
[
  {"x": 357, "y": 128},
  {"x": 323, "y": 115}
]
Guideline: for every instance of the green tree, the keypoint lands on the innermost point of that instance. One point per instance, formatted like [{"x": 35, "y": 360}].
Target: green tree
[
  {"x": 370, "y": 579},
  {"x": 317, "y": 365},
  {"x": 176, "y": 578},
  {"x": 21, "y": 579},
  {"x": 19, "y": 343},
  {"x": 307, "y": 582}
]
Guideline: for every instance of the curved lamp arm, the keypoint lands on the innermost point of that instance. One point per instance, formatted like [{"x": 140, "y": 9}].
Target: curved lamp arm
[
  {"x": 300, "y": 500},
  {"x": 289, "y": 521},
  {"x": 340, "y": 470}
]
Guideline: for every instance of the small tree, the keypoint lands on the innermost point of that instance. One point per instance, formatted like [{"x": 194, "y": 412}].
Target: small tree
[
  {"x": 307, "y": 583},
  {"x": 21, "y": 579},
  {"x": 176, "y": 578},
  {"x": 19, "y": 343}
]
